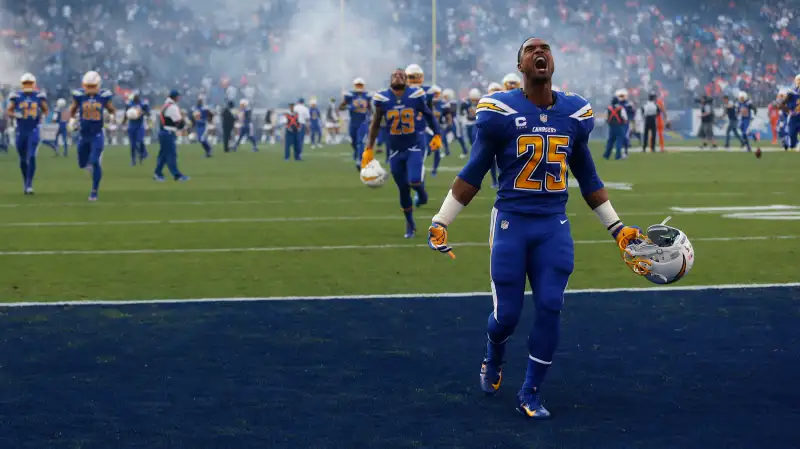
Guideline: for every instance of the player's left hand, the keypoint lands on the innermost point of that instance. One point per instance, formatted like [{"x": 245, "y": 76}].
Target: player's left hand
[
  {"x": 436, "y": 142},
  {"x": 437, "y": 239}
]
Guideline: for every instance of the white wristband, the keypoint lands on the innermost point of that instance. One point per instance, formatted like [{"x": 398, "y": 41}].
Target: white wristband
[
  {"x": 608, "y": 216},
  {"x": 449, "y": 211}
]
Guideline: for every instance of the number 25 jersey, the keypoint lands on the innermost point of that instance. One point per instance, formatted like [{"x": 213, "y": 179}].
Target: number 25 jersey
[{"x": 533, "y": 148}]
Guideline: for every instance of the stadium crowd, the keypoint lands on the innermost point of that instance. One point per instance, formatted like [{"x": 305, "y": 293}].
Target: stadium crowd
[{"x": 644, "y": 46}]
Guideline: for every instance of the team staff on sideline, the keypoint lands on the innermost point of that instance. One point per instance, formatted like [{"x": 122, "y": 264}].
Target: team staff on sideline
[{"x": 172, "y": 121}]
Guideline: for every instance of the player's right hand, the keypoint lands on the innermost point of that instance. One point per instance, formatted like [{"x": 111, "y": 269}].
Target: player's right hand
[
  {"x": 367, "y": 156},
  {"x": 437, "y": 239}
]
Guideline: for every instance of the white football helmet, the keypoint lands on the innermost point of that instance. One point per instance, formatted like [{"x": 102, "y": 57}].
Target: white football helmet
[
  {"x": 797, "y": 80},
  {"x": 373, "y": 175},
  {"x": 358, "y": 84},
  {"x": 474, "y": 94},
  {"x": 416, "y": 77},
  {"x": 133, "y": 113},
  {"x": 61, "y": 103},
  {"x": 511, "y": 81},
  {"x": 436, "y": 91},
  {"x": 448, "y": 94},
  {"x": 91, "y": 82},
  {"x": 664, "y": 255},
  {"x": 742, "y": 96},
  {"x": 243, "y": 103},
  {"x": 27, "y": 82},
  {"x": 495, "y": 87}
]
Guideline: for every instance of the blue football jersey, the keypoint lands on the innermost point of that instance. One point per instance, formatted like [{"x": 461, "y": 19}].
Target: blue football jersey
[
  {"x": 358, "y": 104},
  {"x": 468, "y": 110},
  {"x": 27, "y": 109},
  {"x": 629, "y": 109},
  {"x": 91, "y": 108},
  {"x": 745, "y": 109},
  {"x": 429, "y": 103},
  {"x": 314, "y": 114},
  {"x": 533, "y": 148},
  {"x": 144, "y": 106},
  {"x": 400, "y": 113},
  {"x": 201, "y": 115},
  {"x": 793, "y": 103},
  {"x": 247, "y": 117}
]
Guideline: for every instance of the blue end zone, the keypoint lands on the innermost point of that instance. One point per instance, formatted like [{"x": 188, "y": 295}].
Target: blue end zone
[{"x": 653, "y": 369}]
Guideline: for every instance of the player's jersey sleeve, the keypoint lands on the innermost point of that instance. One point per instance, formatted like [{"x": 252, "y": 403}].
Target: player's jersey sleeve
[
  {"x": 380, "y": 99},
  {"x": 106, "y": 97},
  {"x": 13, "y": 98},
  {"x": 77, "y": 96},
  {"x": 348, "y": 98},
  {"x": 580, "y": 161},
  {"x": 491, "y": 121},
  {"x": 421, "y": 105}
]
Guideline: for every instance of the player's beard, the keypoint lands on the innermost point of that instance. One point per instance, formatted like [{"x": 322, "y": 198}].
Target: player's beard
[{"x": 397, "y": 86}]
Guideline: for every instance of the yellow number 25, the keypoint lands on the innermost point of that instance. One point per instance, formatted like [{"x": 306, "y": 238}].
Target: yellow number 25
[{"x": 550, "y": 150}]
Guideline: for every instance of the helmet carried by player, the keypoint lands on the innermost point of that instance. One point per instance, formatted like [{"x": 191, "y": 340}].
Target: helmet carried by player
[
  {"x": 664, "y": 255},
  {"x": 373, "y": 175}
]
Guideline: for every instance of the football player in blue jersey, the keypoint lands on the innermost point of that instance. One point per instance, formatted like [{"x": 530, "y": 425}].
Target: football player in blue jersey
[
  {"x": 791, "y": 105},
  {"x": 437, "y": 106},
  {"x": 357, "y": 103},
  {"x": 246, "y": 122},
  {"x": 315, "y": 124},
  {"x": 783, "y": 119},
  {"x": 400, "y": 105},
  {"x": 136, "y": 112},
  {"x": 451, "y": 121},
  {"x": 27, "y": 105},
  {"x": 416, "y": 78},
  {"x": 60, "y": 117},
  {"x": 202, "y": 117},
  {"x": 88, "y": 104},
  {"x": 630, "y": 112},
  {"x": 746, "y": 112},
  {"x": 535, "y": 135}
]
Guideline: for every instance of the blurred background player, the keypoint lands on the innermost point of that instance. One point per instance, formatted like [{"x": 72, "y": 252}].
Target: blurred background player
[
  {"x": 616, "y": 118},
  {"x": 452, "y": 124},
  {"x": 303, "y": 117},
  {"x": 783, "y": 119},
  {"x": 201, "y": 118},
  {"x": 470, "y": 114},
  {"x": 27, "y": 105},
  {"x": 650, "y": 113},
  {"x": 357, "y": 103},
  {"x": 291, "y": 122},
  {"x": 707, "y": 117},
  {"x": 732, "y": 114},
  {"x": 661, "y": 121},
  {"x": 315, "y": 124},
  {"x": 89, "y": 103},
  {"x": 172, "y": 121},
  {"x": 630, "y": 112},
  {"x": 268, "y": 130},
  {"x": 401, "y": 104},
  {"x": 436, "y": 108},
  {"x": 415, "y": 77},
  {"x": 246, "y": 125},
  {"x": 746, "y": 113},
  {"x": 136, "y": 113},
  {"x": 60, "y": 117},
  {"x": 332, "y": 135}
]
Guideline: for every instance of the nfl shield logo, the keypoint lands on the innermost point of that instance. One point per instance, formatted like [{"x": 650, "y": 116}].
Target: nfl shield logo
[
  {"x": 504, "y": 224},
  {"x": 543, "y": 118}
]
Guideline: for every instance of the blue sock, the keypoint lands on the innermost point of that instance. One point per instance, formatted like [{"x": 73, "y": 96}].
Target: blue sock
[
  {"x": 409, "y": 213},
  {"x": 97, "y": 175},
  {"x": 420, "y": 189},
  {"x": 31, "y": 171},
  {"x": 495, "y": 351},
  {"x": 542, "y": 343},
  {"x": 437, "y": 159},
  {"x": 23, "y": 167}
]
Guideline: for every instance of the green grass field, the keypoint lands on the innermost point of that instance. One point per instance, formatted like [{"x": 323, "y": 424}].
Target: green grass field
[{"x": 251, "y": 224}]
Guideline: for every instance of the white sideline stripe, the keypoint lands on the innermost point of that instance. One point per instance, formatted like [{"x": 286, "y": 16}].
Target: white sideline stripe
[
  {"x": 388, "y": 296},
  {"x": 330, "y": 247},
  {"x": 337, "y": 201},
  {"x": 39, "y": 224}
]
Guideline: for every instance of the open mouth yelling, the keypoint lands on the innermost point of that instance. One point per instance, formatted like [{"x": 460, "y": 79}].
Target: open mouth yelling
[{"x": 540, "y": 64}]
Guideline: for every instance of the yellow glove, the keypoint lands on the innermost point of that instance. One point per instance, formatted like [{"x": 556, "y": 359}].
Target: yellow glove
[
  {"x": 625, "y": 235},
  {"x": 367, "y": 156},
  {"x": 437, "y": 239},
  {"x": 436, "y": 142}
]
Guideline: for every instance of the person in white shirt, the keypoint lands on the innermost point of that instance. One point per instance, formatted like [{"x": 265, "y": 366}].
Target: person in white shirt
[
  {"x": 303, "y": 118},
  {"x": 172, "y": 121}
]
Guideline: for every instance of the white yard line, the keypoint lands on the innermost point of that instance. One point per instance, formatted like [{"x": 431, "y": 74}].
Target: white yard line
[
  {"x": 311, "y": 248},
  {"x": 381, "y": 200},
  {"x": 394, "y": 296}
]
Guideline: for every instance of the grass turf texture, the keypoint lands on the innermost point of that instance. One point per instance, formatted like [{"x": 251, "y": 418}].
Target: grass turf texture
[{"x": 258, "y": 202}]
